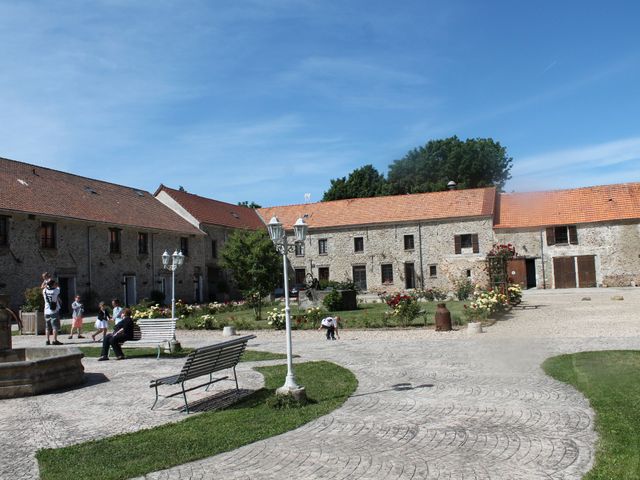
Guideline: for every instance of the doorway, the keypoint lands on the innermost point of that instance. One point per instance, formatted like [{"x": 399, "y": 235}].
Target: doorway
[
  {"x": 531, "y": 272},
  {"x": 409, "y": 275},
  {"x": 67, "y": 294},
  {"x": 360, "y": 277},
  {"x": 130, "y": 297}
]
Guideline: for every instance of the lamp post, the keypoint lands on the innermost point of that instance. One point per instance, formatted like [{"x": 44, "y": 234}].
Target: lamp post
[
  {"x": 177, "y": 259},
  {"x": 279, "y": 239}
]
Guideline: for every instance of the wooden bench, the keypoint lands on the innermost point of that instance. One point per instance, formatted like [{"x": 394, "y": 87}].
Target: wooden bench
[
  {"x": 152, "y": 332},
  {"x": 205, "y": 361}
]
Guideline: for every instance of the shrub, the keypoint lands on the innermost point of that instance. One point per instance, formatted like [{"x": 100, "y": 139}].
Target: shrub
[
  {"x": 333, "y": 301},
  {"x": 514, "y": 293},
  {"x": 405, "y": 308},
  {"x": 33, "y": 300},
  {"x": 314, "y": 315},
  {"x": 277, "y": 318},
  {"x": 432, "y": 294},
  {"x": 463, "y": 287}
]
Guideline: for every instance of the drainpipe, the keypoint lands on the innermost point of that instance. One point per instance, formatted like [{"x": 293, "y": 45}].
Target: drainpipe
[
  {"x": 544, "y": 279},
  {"x": 89, "y": 256},
  {"x": 420, "y": 252}
]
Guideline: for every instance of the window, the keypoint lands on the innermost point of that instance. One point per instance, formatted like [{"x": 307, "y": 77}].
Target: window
[
  {"x": 408, "y": 242},
  {"x": 300, "y": 276},
  {"x": 4, "y": 231},
  {"x": 409, "y": 275},
  {"x": 184, "y": 246},
  {"x": 468, "y": 272},
  {"x": 299, "y": 246},
  {"x": 358, "y": 244},
  {"x": 114, "y": 240},
  {"x": 323, "y": 274},
  {"x": 466, "y": 241},
  {"x": 563, "y": 235},
  {"x": 48, "y": 235},
  {"x": 433, "y": 271},
  {"x": 322, "y": 246},
  {"x": 143, "y": 243},
  {"x": 386, "y": 271},
  {"x": 214, "y": 249},
  {"x": 360, "y": 277}
]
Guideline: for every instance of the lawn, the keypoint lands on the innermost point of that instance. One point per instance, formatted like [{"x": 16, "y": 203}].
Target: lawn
[
  {"x": 247, "y": 356},
  {"x": 611, "y": 382},
  {"x": 368, "y": 315},
  {"x": 203, "y": 435}
]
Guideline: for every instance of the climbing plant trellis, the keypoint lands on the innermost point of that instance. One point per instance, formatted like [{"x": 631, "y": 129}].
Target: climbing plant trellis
[{"x": 497, "y": 260}]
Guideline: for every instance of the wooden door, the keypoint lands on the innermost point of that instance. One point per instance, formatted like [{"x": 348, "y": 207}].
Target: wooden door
[
  {"x": 409, "y": 275},
  {"x": 564, "y": 272},
  {"x": 586, "y": 271},
  {"x": 517, "y": 271},
  {"x": 360, "y": 277}
]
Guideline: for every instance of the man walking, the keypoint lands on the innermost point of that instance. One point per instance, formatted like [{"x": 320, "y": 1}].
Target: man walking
[{"x": 51, "y": 294}]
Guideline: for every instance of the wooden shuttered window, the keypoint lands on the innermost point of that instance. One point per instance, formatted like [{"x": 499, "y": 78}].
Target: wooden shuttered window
[
  {"x": 457, "y": 244},
  {"x": 551, "y": 236},
  {"x": 573, "y": 235},
  {"x": 474, "y": 243}
]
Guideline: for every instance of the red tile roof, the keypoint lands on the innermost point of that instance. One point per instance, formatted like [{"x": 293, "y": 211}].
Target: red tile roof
[
  {"x": 564, "y": 207},
  {"x": 214, "y": 212},
  {"x": 37, "y": 190},
  {"x": 477, "y": 202}
]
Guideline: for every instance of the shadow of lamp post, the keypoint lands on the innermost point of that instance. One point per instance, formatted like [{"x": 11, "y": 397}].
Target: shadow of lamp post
[
  {"x": 172, "y": 263},
  {"x": 279, "y": 239}
]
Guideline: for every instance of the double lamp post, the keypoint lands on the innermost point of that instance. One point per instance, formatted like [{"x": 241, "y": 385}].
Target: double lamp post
[
  {"x": 279, "y": 239},
  {"x": 172, "y": 263}
]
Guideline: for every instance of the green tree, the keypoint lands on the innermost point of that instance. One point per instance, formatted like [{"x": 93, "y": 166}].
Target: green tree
[
  {"x": 477, "y": 162},
  {"x": 247, "y": 203},
  {"x": 362, "y": 182},
  {"x": 255, "y": 265}
]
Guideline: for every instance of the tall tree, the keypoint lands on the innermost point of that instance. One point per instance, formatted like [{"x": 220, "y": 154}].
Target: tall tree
[
  {"x": 477, "y": 162},
  {"x": 362, "y": 182},
  {"x": 252, "y": 204},
  {"x": 255, "y": 265}
]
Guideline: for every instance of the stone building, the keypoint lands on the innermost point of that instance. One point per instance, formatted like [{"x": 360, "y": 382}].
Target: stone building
[
  {"x": 217, "y": 220},
  {"x": 396, "y": 242},
  {"x": 99, "y": 239},
  {"x": 583, "y": 237}
]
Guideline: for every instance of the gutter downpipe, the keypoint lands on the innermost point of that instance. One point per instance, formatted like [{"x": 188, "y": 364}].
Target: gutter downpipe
[
  {"x": 544, "y": 278},
  {"x": 420, "y": 252},
  {"x": 89, "y": 256}
]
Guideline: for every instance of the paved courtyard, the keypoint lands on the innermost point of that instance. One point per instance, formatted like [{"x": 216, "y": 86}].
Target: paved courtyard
[{"x": 428, "y": 405}]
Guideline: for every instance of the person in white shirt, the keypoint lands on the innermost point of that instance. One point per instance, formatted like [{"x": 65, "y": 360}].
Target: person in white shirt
[
  {"x": 331, "y": 325},
  {"x": 51, "y": 295},
  {"x": 116, "y": 313}
]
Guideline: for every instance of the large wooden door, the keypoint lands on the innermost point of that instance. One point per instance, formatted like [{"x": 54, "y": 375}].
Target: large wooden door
[
  {"x": 586, "y": 271},
  {"x": 517, "y": 271},
  {"x": 564, "y": 272}
]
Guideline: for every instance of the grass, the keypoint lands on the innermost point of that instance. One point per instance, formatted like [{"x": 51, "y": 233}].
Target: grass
[
  {"x": 247, "y": 356},
  {"x": 200, "y": 436},
  {"x": 611, "y": 382},
  {"x": 368, "y": 315}
]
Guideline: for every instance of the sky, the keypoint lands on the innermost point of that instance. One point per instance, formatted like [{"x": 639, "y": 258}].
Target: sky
[{"x": 267, "y": 101}]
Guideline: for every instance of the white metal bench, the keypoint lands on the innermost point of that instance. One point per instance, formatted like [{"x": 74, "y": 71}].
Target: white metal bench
[
  {"x": 152, "y": 332},
  {"x": 205, "y": 361}
]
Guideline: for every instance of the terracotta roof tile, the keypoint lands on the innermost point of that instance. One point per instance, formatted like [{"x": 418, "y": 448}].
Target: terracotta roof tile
[
  {"x": 564, "y": 207},
  {"x": 391, "y": 209},
  {"x": 38, "y": 190},
  {"x": 214, "y": 212}
]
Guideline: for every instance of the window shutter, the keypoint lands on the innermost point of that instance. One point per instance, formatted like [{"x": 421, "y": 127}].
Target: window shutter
[
  {"x": 474, "y": 243},
  {"x": 457, "y": 244},
  {"x": 551, "y": 236},
  {"x": 573, "y": 235}
]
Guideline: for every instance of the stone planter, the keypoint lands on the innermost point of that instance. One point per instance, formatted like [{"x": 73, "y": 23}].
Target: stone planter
[
  {"x": 229, "y": 331},
  {"x": 474, "y": 328},
  {"x": 32, "y": 323}
]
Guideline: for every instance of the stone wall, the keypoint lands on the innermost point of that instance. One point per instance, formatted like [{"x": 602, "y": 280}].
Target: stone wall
[
  {"x": 82, "y": 258},
  {"x": 384, "y": 244},
  {"x": 616, "y": 247}
]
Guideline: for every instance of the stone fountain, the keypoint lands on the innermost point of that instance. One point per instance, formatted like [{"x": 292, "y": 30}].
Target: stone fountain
[{"x": 31, "y": 371}]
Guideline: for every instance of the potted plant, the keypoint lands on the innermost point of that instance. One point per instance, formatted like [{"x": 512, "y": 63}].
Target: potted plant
[{"x": 32, "y": 311}]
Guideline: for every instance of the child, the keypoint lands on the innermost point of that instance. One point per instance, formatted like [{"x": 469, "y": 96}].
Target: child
[
  {"x": 331, "y": 324},
  {"x": 102, "y": 323},
  {"x": 46, "y": 278},
  {"x": 78, "y": 311},
  {"x": 116, "y": 313}
]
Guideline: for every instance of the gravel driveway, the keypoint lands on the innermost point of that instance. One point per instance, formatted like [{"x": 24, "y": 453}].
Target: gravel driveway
[{"x": 428, "y": 405}]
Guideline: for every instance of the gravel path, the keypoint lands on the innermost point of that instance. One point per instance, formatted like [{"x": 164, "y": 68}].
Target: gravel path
[{"x": 427, "y": 406}]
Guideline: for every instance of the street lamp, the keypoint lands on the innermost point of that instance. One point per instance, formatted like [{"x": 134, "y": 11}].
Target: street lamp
[
  {"x": 177, "y": 259},
  {"x": 279, "y": 239}
]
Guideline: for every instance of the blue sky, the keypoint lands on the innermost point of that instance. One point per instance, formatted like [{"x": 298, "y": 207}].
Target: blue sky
[{"x": 269, "y": 100}]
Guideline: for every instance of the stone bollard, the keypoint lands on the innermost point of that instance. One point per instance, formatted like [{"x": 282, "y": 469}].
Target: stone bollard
[
  {"x": 474, "y": 328},
  {"x": 229, "y": 331}
]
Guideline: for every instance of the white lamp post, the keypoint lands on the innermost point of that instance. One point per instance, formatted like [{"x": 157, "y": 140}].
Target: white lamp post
[
  {"x": 279, "y": 238},
  {"x": 177, "y": 259}
]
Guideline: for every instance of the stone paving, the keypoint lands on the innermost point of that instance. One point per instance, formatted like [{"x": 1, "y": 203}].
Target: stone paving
[{"x": 432, "y": 406}]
